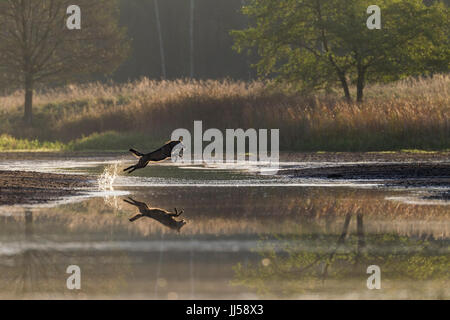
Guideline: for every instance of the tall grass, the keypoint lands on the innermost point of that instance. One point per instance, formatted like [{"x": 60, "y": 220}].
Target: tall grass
[
  {"x": 10, "y": 143},
  {"x": 409, "y": 114}
]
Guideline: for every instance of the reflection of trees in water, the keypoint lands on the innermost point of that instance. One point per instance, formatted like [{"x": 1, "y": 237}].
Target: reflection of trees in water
[
  {"x": 30, "y": 270},
  {"x": 38, "y": 269},
  {"x": 249, "y": 211},
  {"x": 316, "y": 262}
]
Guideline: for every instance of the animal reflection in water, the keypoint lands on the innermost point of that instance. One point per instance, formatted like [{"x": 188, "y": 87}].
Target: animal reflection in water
[{"x": 162, "y": 216}]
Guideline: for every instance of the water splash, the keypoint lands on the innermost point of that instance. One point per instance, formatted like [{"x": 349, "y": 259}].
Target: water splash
[
  {"x": 106, "y": 184},
  {"x": 107, "y": 178}
]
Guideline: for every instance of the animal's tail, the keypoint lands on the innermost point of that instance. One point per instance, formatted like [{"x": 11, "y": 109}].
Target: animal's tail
[{"x": 136, "y": 153}]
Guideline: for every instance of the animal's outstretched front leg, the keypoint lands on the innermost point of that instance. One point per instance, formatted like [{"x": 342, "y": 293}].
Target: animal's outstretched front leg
[{"x": 177, "y": 214}]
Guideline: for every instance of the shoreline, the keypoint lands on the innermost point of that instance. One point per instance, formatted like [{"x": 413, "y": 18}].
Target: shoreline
[
  {"x": 393, "y": 170},
  {"x": 31, "y": 188},
  {"x": 378, "y": 171},
  {"x": 285, "y": 155},
  {"x": 432, "y": 175}
]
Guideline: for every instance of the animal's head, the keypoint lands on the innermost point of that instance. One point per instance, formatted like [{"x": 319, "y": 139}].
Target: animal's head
[
  {"x": 177, "y": 147},
  {"x": 180, "y": 224}
]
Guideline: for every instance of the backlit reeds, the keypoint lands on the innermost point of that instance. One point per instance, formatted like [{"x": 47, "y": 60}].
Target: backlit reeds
[{"x": 409, "y": 114}]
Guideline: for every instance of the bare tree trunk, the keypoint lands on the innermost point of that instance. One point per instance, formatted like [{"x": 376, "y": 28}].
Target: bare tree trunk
[
  {"x": 361, "y": 241},
  {"x": 192, "y": 55},
  {"x": 344, "y": 84},
  {"x": 161, "y": 44},
  {"x": 360, "y": 232},
  {"x": 340, "y": 242},
  {"x": 360, "y": 85},
  {"x": 247, "y": 57},
  {"x": 325, "y": 47},
  {"x": 28, "y": 108}
]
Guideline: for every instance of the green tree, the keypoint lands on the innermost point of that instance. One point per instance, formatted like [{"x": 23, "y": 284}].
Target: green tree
[
  {"x": 318, "y": 43},
  {"x": 37, "y": 47}
]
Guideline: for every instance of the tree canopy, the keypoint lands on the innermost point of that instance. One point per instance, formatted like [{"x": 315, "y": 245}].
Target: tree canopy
[
  {"x": 36, "y": 46},
  {"x": 318, "y": 43}
]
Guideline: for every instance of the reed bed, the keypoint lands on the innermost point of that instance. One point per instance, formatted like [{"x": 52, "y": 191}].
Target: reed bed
[{"x": 409, "y": 114}]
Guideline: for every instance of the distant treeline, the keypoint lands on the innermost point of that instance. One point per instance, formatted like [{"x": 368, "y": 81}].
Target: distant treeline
[
  {"x": 203, "y": 51},
  {"x": 195, "y": 39}
]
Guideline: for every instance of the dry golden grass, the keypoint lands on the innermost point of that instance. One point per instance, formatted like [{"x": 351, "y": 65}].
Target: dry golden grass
[{"x": 409, "y": 114}]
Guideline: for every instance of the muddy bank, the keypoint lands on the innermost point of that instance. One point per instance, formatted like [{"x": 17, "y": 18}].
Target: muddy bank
[
  {"x": 390, "y": 174},
  {"x": 366, "y": 171},
  {"x": 18, "y": 187},
  {"x": 417, "y": 157},
  {"x": 434, "y": 176}
]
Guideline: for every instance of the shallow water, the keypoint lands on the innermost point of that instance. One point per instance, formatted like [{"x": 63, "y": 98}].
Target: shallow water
[{"x": 246, "y": 235}]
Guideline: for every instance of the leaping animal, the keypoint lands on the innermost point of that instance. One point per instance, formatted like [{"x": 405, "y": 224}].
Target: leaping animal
[{"x": 161, "y": 154}]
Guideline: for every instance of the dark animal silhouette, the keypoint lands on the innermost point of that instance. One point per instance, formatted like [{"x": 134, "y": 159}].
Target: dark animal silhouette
[
  {"x": 161, "y": 154},
  {"x": 162, "y": 216}
]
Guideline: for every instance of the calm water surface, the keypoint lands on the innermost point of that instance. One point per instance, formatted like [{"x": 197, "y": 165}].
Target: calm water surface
[{"x": 244, "y": 236}]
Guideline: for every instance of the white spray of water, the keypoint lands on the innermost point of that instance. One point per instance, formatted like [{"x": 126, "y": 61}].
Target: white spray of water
[
  {"x": 106, "y": 184},
  {"x": 107, "y": 178}
]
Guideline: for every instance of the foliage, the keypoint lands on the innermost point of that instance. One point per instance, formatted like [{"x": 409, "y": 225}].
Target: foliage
[
  {"x": 317, "y": 43},
  {"x": 409, "y": 114},
  {"x": 36, "y": 47},
  {"x": 310, "y": 263}
]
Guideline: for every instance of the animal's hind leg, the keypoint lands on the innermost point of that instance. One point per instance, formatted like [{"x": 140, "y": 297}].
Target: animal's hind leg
[
  {"x": 130, "y": 202},
  {"x": 134, "y": 202},
  {"x": 135, "y": 217},
  {"x": 134, "y": 168},
  {"x": 129, "y": 168}
]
